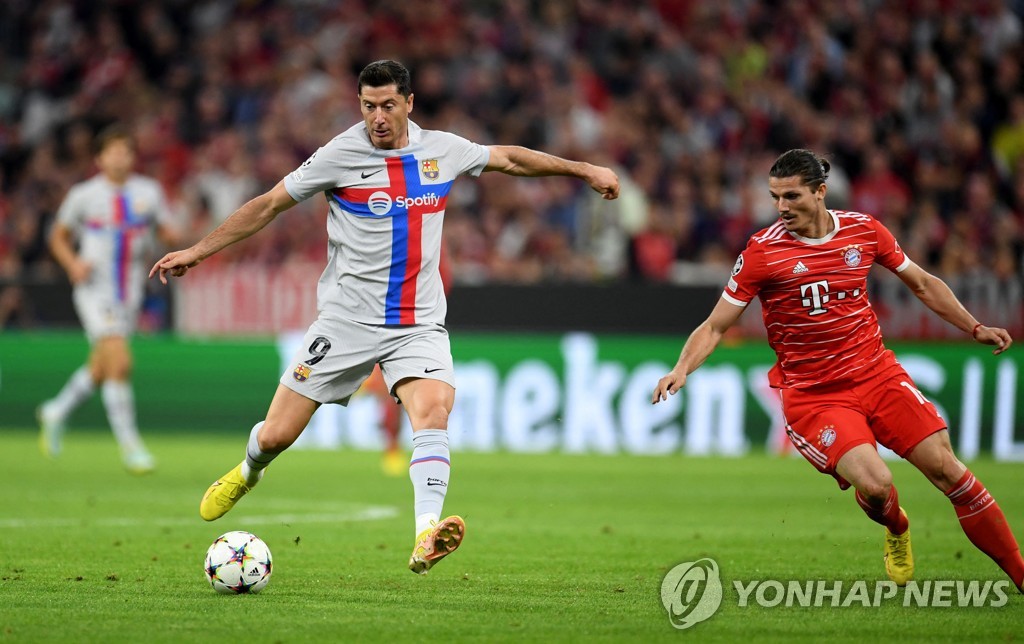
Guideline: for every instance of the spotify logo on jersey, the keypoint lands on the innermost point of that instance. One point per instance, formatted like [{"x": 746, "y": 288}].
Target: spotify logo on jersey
[{"x": 379, "y": 203}]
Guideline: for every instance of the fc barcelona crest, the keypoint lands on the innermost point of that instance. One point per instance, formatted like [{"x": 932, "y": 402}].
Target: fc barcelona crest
[
  {"x": 430, "y": 169},
  {"x": 301, "y": 373}
]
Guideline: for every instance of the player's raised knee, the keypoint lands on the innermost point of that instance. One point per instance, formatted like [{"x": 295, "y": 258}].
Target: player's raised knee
[
  {"x": 433, "y": 416},
  {"x": 877, "y": 488}
]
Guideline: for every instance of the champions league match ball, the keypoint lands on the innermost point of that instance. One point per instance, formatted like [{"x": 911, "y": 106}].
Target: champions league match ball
[{"x": 238, "y": 562}]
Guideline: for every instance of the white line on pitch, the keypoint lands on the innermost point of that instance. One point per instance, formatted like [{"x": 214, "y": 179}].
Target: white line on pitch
[{"x": 370, "y": 513}]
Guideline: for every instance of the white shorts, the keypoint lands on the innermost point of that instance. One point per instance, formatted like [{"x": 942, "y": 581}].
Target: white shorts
[
  {"x": 102, "y": 316},
  {"x": 336, "y": 356}
]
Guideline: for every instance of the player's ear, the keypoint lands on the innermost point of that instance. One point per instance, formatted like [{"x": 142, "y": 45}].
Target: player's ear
[
  {"x": 408, "y": 102},
  {"x": 820, "y": 193}
]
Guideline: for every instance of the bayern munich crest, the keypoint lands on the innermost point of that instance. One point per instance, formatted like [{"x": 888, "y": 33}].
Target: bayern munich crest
[
  {"x": 852, "y": 255},
  {"x": 430, "y": 169},
  {"x": 827, "y": 436}
]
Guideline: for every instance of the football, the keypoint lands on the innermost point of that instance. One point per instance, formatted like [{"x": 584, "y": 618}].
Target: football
[{"x": 238, "y": 562}]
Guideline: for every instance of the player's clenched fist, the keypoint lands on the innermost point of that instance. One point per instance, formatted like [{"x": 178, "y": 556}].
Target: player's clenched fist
[{"x": 605, "y": 181}]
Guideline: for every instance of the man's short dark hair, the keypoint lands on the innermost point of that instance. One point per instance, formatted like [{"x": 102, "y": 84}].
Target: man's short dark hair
[
  {"x": 112, "y": 133},
  {"x": 812, "y": 169},
  {"x": 383, "y": 73}
]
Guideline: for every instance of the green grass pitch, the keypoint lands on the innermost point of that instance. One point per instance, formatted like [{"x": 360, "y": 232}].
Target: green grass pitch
[{"x": 558, "y": 548}]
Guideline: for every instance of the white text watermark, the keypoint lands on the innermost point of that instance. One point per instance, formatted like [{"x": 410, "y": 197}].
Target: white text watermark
[
  {"x": 692, "y": 592},
  {"x": 934, "y": 594}
]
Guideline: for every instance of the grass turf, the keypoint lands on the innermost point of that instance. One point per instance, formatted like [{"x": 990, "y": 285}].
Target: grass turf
[{"x": 558, "y": 548}]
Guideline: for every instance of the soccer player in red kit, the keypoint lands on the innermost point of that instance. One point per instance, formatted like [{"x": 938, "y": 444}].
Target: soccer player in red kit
[{"x": 841, "y": 389}]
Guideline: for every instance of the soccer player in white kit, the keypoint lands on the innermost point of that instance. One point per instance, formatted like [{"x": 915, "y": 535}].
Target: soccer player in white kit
[
  {"x": 380, "y": 299},
  {"x": 113, "y": 216}
]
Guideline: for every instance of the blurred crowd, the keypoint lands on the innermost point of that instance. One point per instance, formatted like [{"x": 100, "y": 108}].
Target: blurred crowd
[{"x": 919, "y": 104}]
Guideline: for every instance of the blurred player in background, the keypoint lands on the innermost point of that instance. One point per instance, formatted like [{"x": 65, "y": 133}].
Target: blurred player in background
[
  {"x": 102, "y": 238},
  {"x": 841, "y": 389},
  {"x": 381, "y": 300},
  {"x": 392, "y": 462}
]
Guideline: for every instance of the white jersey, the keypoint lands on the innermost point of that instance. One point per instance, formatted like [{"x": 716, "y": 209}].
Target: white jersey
[
  {"x": 384, "y": 226},
  {"x": 114, "y": 225}
]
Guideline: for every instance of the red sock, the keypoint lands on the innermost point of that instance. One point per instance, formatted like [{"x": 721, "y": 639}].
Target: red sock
[
  {"x": 888, "y": 515},
  {"x": 985, "y": 525}
]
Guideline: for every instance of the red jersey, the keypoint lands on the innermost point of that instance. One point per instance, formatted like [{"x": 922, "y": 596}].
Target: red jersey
[{"x": 814, "y": 300}]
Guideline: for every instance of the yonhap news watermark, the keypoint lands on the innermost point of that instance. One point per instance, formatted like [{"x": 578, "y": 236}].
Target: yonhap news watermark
[
  {"x": 693, "y": 591},
  {"x": 931, "y": 593}
]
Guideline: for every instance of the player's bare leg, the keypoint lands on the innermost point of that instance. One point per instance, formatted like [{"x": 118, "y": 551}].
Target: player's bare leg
[
  {"x": 876, "y": 495},
  {"x": 288, "y": 415},
  {"x": 428, "y": 403},
  {"x": 980, "y": 516}
]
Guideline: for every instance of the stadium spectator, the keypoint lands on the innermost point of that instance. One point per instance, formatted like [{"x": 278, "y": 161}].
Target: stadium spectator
[
  {"x": 1008, "y": 140},
  {"x": 841, "y": 389},
  {"x": 659, "y": 86},
  {"x": 380, "y": 299}
]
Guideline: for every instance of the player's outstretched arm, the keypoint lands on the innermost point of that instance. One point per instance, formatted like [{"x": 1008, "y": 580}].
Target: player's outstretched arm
[
  {"x": 698, "y": 347},
  {"x": 938, "y": 297},
  {"x": 242, "y": 223},
  {"x": 524, "y": 162}
]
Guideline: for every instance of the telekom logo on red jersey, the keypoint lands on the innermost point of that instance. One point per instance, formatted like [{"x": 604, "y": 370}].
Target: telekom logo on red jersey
[{"x": 815, "y": 295}]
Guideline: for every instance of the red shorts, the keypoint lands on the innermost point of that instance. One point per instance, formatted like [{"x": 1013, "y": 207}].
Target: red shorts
[{"x": 826, "y": 422}]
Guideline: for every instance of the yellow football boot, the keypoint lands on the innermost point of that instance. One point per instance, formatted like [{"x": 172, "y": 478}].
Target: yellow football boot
[
  {"x": 224, "y": 494},
  {"x": 394, "y": 463},
  {"x": 435, "y": 543},
  {"x": 899, "y": 558}
]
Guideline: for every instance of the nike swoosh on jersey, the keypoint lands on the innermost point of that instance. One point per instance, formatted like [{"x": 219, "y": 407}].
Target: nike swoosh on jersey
[{"x": 366, "y": 175}]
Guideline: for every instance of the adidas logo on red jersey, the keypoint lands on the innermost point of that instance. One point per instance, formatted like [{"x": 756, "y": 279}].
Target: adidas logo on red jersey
[{"x": 799, "y": 268}]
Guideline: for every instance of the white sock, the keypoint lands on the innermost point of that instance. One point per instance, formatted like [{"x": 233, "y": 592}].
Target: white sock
[
  {"x": 120, "y": 404},
  {"x": 256, "y": 460},
  {"x": 429, "y": 470},
  {"x": 77, "y": 390}
]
